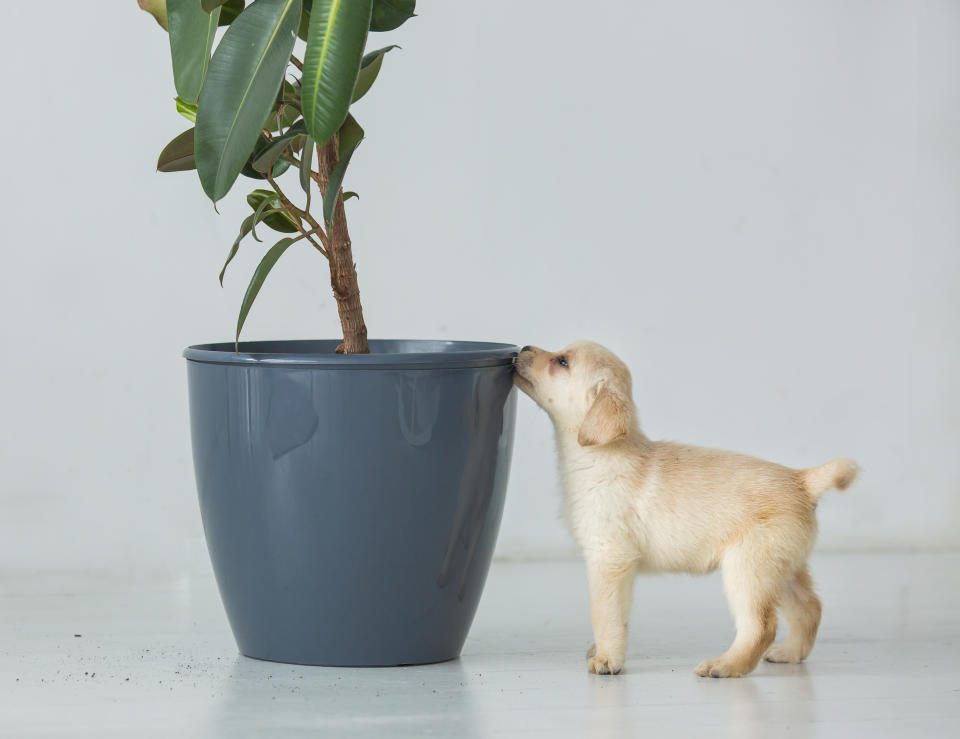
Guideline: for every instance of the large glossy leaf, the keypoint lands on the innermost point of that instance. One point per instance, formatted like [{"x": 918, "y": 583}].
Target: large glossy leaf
[
  {"x": 177, "y": 156},
  {"x": 210, "y": 5},
  {"x": 156, "y": 8},
  {"x": 338, "y": 29},
  {"x": 390, "y": 14},
  {"x": 191, "y": 38},
  {"x": 242, "y": 83},
  {"x": 369, "y": 69},
  {"x": 351, "y": 134},
  {"x": 256, "y": 282},
  {"x": 229, "y": 11}
]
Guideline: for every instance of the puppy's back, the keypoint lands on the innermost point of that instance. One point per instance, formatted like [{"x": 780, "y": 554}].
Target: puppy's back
[{"x": 706, "y": 499}]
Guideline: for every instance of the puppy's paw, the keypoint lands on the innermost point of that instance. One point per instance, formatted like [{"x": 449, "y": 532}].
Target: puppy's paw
[
  {"x": 784, "y": 655},
  {"x": 599, "y": 664},
  {"x": 591, "y": 651},
  {"x": 719, "y": 668}
]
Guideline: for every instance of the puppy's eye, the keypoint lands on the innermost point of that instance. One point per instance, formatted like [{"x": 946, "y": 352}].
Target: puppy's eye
[{"x": 562, "y": 361}]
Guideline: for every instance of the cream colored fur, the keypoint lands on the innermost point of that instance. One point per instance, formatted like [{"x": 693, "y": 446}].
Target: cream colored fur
[{"x": 636, "y": 505}]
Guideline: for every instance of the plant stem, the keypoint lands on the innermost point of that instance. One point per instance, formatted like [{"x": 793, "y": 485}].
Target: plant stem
[
  {"x": 295, "y": 214},
  {"x": 338, "y": 250},
  {"x": 343, "y": 271},
  {"x": 306, "y": 235}
]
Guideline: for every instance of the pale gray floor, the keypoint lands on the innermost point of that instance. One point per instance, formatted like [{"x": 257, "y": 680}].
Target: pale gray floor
[{"x": 156, "y": 660}]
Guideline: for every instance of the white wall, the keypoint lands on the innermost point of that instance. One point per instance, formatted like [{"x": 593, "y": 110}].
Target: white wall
[{"x": 754, "y": 203}]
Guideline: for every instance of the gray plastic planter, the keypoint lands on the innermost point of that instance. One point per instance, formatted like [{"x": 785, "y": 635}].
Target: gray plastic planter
[{"x": 351, "y": 503}]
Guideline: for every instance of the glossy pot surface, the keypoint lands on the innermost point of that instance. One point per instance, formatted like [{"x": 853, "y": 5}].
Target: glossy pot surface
[{"x": 351, "y": 503}]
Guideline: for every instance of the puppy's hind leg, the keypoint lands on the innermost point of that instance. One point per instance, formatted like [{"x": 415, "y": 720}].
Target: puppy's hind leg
[
  {"x": 802, "y": 609},
  {"x": 611, "y": 592},
  {"x": 752, "y": 583}
]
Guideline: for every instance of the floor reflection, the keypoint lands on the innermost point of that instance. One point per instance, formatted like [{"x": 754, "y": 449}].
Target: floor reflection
[
  {"x": 333, "y": 701},
  {"x": 757, "y": 703},
  {"x": 608, "y": 708},
  {"x": 781, "y": 702}
]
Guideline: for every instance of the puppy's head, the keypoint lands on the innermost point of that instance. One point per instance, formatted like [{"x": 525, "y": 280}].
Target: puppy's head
[{"x": 585, "y": 388}]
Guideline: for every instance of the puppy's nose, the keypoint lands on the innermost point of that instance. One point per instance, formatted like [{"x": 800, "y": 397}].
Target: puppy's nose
[{"x": 527, "y": 348}]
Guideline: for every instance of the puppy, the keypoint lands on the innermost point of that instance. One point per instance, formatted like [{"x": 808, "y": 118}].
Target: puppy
[{"x": 636, "y": 505}]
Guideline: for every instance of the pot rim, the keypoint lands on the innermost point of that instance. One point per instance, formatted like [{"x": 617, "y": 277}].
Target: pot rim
[{"x": 385, "y": 354}]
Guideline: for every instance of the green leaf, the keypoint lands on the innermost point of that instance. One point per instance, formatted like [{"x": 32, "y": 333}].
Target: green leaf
[
  {"x": 156, "y": 8},
  {"x": 306, "y": 164},
  {"x": 258, "y": 196},
  {"x": 269, "y": 155},
  {"x": 229, "y": 12},
  {"x": 177, "y": 156},
  {"x": 244, "y": 230},
  {"x": 257, "y": 215},
  {"x": 351, "y": 134},
  {"x": 333, "y": 187},
  {"x": 390, "y": 14},
  {"x": 303, "y": 30},
  {"x": 350, "y": 194},
  {"x": 210, "y": 5},
  {"x": 268, "y": 158},
  {"x": 369, "y": 69},
  {"x": 256, "y": 282},
  {"x": 187, "y": 110},
  {"x": 245, "y": 74},
  {"x": 279, "y": 168},
  {"x": 290, "y": 93},
  {"x": 276, "y": 218},
  {"x": 338, "y": 29},
  {"x": 191, "y": 38},
  {"x": 371, "y": 56}
]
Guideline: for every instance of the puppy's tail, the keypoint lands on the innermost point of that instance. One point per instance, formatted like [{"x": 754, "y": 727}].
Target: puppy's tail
[{"x": 838, "y": 473}]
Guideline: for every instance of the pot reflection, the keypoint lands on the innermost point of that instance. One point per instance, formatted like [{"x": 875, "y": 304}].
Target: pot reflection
[{"x": 265, "y": 699}]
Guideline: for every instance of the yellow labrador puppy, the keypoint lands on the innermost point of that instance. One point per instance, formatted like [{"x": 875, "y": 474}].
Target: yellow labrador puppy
[{"x": 636, "y": 505}]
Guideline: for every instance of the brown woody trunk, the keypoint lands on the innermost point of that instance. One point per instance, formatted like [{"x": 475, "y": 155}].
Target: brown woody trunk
[{"x": 343, "y": 271}]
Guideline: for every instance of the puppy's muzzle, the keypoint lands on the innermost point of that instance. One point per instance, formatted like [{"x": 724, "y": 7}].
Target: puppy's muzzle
[
  {"x": 521, "y": 364},
  {"x": 524, "y": 358}
]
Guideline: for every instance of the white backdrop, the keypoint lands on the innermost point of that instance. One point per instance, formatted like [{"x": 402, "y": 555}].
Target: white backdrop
[{"x": 754, "y": 203}]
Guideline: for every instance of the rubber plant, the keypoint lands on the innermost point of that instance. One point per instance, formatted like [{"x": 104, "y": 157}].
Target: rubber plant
[{"x": 261, "y": 112}]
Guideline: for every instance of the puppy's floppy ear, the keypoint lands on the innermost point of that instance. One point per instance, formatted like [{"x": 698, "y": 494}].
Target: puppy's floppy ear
[{"x": 608, "y": 418}]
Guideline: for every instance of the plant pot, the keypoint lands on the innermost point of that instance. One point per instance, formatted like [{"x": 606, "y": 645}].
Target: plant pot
[{"x": 351, "y": 503}]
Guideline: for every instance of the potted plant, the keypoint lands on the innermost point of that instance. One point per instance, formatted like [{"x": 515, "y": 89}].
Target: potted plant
[{"x": 350, "y": 490}]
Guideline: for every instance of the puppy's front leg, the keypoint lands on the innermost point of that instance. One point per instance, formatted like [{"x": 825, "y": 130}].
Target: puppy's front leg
[{"x": 611, "y": 592}]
